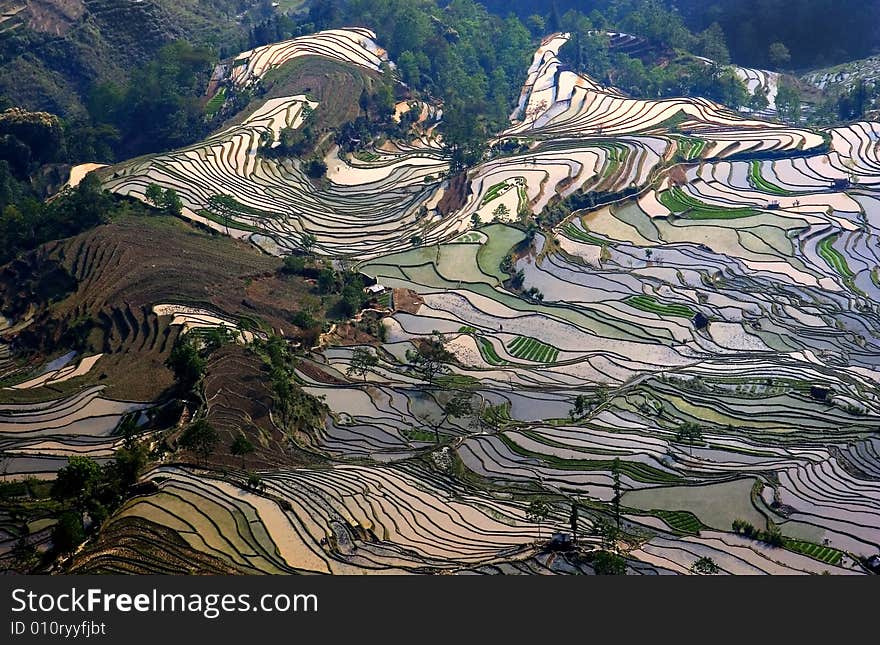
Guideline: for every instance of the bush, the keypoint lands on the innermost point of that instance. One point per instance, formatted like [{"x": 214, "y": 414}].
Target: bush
[
  {"x": 294, "y": 264},
  {"x": 302, "y": 319},
  {"x": 68, "y": 533},
  {"x": 315, "y": 168},
  {"x": 606, "y": 563}
]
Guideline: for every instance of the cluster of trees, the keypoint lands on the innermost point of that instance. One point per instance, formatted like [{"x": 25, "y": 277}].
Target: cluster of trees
[
  {"x": 165, "y": 199},
  {"x": 376, "y": 121},
  {"x": 31, "y": 143},
  {"x": 292, "y": 142},
  {"x": 772, "y": 535},
  {"x": 817, "y": 32},
  {"x": 159, "y": 107},
  {"x": 85, "y": 488},
  {"x": 189, "y": 356},
  {"x": 26, "y": 221},
  {"x": 584, "y": 404},
  {"x": 672, "y": 74},
  {"x": 474, "y": 60},
  {"x": 849, "y": 105},
  {"x": 348, "y": 286},
  {"x": 296, "y": 409}
]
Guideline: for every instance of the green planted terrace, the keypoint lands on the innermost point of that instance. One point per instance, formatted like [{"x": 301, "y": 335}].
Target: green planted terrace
[
  {"x": 494, "y": 192},
  {"x": 647, "y": 303},
  {"x": 832, "y": 256},
  {"x": 678, "y": 201},
  {"x": 816, "y": 551},
  {"x": 532, "y": 350},
  {"x": 680, "y": 521},
  {"x": 690, "y": 148},
  {"x": 213, "y": 106},
  {"x": 756, "y": 180},
  {"x": 579, "y": 235},
  {"x": 487, "y": 350}
]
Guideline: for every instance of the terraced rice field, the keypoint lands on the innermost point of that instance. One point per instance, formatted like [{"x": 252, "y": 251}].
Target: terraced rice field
[{"x": 770, "y": 232}]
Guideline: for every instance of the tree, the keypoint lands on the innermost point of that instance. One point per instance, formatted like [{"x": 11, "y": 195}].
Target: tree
[
  {"x": 538, "y": 511},
  {"x": 457, "y": 407},
  {"x": 606, "y": 563},
  {"x": 129, "y": 461},
  {"x": 223, "y": 205},
  {"x": 713, "y": 45},
  {"x": 255, "y": 482},
  {"x": 580, "y": 408},
  {"x": 536, "y": 25},
  {"x": 408, "y": 66},
  {"x": 69, "y": 532},
  {"x": 363, "y": 359},
  {"x": 172, "y": 203},
  {"x": 573, "y": 521},
  {"x": 154, "y": 195},
  {"x": 201, "y": 438},
  {"x": 779, "y": 54},
  {"x": 241, "y": 447},
  {"x": 690, "y": 433},
  {"x": 315, "y": 168},
  {"x": 615, "y": 501},
  {"x": 24, "y": 556},
  {"x": 705, "y": 566},
  {"x": 501, "y": 212},
  {"x": 307, "y": 241},
  {"x": 759, "y": 101},
  {"x": 79, "y": 480},
  {"x": 186, "y": 363},
  {"x": 430, "y": 357}
]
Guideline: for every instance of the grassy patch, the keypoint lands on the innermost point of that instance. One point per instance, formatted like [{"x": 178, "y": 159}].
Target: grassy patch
[{"x": 213, "y": 106}]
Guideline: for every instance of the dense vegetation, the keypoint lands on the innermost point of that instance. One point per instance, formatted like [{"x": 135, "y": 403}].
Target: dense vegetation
[
  {"x": 27, "y": 222},
  {"x": 51, "y": 62},
  {"x": 159, "y": 107},
  {"x": 815, "y": 32},
  {"x": 473, "y": 60}
]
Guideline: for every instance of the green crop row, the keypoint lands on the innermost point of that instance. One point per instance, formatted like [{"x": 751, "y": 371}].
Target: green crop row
[
  {"x": 532, "y": 350},
  {"x": 647, "y": 303}
]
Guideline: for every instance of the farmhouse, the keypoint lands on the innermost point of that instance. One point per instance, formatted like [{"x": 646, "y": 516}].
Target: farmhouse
[{"x": 375, "y": 289}]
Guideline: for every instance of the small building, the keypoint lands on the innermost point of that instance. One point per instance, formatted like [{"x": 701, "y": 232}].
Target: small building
[
  {"x": 873, "y": 563},
  {"x": 820, "y": 393},
  {"x": 561, "y": 542},
  {"x": 840, "y": 184},
  {"x": 376, "y": 289},
  {"x": 700, "y": 321}
]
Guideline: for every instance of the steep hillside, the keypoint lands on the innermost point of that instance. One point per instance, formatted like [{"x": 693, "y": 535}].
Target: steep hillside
[{"x": 51, "y": 51}]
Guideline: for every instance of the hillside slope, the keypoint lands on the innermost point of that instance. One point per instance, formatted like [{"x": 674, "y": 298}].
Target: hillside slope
[{"x": 51, "y": 51}]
